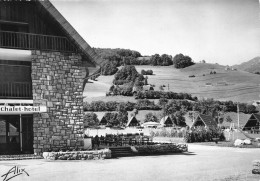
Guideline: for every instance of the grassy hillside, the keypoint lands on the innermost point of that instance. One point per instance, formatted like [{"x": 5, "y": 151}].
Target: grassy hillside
[
  {"x": 224, "y": 85},
  {"x": 252, "y": 65}
]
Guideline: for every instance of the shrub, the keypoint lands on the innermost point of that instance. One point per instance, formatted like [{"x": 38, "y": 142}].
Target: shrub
[
  {"x": 201, "y": 134},
  {"x": 146, "y": 72}
]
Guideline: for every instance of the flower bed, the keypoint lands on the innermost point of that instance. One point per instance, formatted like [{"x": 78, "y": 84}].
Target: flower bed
[
  {"x": 78, "y": 155},
  {"x": 161, "y": 148}
]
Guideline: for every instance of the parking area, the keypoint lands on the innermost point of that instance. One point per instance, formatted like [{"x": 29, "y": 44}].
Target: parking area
[{"x": 200, "y": 163}]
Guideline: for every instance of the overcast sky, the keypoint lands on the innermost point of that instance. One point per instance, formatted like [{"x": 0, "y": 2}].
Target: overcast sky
[{"x": 222, "y": 31}]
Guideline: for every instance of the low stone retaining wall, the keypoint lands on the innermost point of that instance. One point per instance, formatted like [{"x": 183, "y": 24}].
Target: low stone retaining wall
[
  {"x": 78, "y": 155},
  {"x": 161, "y": 148}
]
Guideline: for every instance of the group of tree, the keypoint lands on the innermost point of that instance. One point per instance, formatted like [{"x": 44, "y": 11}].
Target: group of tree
[
  {"x": 175, "y": 109},
  {"x": 97, "y": 106},
  {"x": 147, "y": 72},
  {"x": 161, "y": 94},
  {"x": 131, "y": 57},
  {"x": 205, "y": 106},
  {"x": 182, "y": 61},
  {"x": 128, "y": 74},
  {"x": 163, "y": 60}
]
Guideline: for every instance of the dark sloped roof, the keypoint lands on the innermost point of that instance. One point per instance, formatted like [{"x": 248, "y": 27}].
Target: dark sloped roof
[
  {"x": 207, "y": 120},
  {"x": 164, "y": 119},
  {"x": 72, "y": 34},
  {"x": 132, "y": 119},
  {"x": 103, "y": 120}
]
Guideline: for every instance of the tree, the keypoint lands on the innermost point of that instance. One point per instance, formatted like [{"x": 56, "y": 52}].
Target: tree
[
  {"x": 109, "y": 69},
  {"x": 181, "y": 61},
  {"x": 179, "y": 119},
  {"x": 228, "y": 119},
  {"x": 90, "y": 120},
  {"x": 166, "y": 60},
  {"x": 251, "y": 108},
  {"x": 122, "y": 114},
  {"x": 146, "y": 80},
  {"x": 155, "y": 59},
  {"x": 150, "y": 117}
]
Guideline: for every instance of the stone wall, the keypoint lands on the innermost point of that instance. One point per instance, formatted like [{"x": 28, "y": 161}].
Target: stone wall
[{"x": 57, "y": 82}]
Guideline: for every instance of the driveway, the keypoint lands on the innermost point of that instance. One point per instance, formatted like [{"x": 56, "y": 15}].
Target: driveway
[{"x": 200, "y": 163}]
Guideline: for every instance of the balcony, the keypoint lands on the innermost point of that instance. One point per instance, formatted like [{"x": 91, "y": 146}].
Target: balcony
[
  {"x": 28, "y": 41},
  {"x": 15, "y": 90}
]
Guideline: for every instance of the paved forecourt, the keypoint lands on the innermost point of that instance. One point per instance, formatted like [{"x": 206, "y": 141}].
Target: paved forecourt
[{"x": 200, "y": 163}]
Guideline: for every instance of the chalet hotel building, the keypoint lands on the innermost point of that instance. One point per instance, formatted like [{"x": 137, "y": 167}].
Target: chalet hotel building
[{"x": 44, "y": 64}]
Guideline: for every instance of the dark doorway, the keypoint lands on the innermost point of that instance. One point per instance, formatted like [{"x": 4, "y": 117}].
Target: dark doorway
[
  {"x": 27, "y": 134},
  {"x": 10, "y": 134},
  {"x": 12, "y": 139}
]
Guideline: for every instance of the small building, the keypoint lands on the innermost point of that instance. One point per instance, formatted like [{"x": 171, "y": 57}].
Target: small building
[
  {"x": 205, "y": 120},
  {"x": 166, "y": 121},
  {"x": 147, "y": 88},
  {"x": 253, "y": 123},
  {"x": 132, "y": 122},
  {"x": 227, "y": 68},
  {"x": 151, "y": 124}
]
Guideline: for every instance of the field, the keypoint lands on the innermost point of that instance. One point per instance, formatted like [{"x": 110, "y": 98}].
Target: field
[{"x": 224, "y": 85}]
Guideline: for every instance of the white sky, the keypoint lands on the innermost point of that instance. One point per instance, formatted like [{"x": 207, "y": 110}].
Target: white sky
[{"x": 218, "y": 31}]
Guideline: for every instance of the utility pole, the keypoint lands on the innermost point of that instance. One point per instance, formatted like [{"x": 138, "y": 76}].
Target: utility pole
[{"x": 238, "y": 115}]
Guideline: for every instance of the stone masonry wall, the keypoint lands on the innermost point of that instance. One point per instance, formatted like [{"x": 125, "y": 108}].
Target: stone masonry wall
[{"x": 57, "y": 82}]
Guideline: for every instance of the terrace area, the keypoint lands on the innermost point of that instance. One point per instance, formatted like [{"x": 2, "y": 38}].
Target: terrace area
[
  {"x": 11, "y": 90},
  {"x": 29, "y": 41}
]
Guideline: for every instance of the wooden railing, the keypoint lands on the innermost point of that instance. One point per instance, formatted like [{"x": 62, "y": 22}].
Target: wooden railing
[
  {"x": 28, "y": 41},
  {"x": 9, "y": 90}
]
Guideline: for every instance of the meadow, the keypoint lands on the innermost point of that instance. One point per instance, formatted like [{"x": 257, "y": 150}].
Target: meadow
[{"x": 225, "y": 85}]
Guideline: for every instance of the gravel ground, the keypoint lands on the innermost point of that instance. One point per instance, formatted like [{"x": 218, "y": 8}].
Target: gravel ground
[{"x": 200, "y": 163}]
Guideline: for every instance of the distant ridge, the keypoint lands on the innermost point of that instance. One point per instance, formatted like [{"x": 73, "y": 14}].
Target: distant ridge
[{"x": 251, "y": 66}]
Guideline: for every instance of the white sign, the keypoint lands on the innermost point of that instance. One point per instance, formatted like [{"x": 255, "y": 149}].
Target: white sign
[{"x": 22, "y": 109}]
